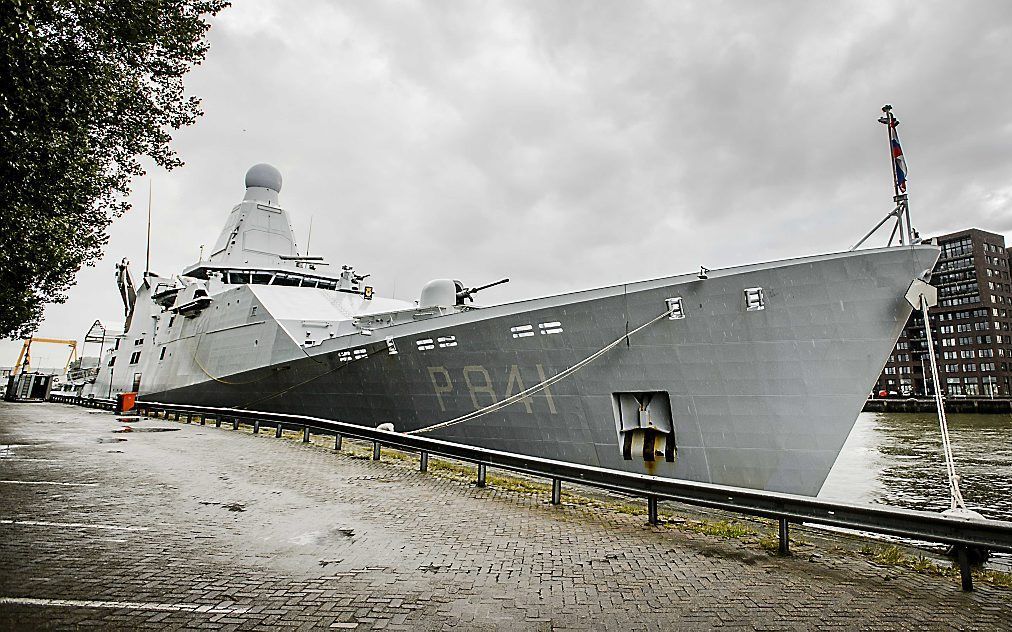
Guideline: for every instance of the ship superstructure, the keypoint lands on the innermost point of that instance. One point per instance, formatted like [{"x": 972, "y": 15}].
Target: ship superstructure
[{"x": 750, "y": 376}]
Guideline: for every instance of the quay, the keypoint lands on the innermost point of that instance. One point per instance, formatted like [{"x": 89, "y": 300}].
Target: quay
[
  {"x": 971, "y": 405},
  {"x": 176, "y": 525}
]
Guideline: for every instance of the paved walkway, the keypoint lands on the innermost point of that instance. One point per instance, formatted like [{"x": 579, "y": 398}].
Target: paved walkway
[{"x": 214, "y": 529}]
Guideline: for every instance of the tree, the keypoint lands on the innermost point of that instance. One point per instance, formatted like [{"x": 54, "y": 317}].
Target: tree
[{"x": 87, "y": 87}]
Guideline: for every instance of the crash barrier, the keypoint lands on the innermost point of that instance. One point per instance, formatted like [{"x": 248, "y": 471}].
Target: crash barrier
[{"x": 967, "y": 536}]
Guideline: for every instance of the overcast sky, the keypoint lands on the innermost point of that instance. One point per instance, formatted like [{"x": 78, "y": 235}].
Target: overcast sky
[{"x": 572, "y": 144}]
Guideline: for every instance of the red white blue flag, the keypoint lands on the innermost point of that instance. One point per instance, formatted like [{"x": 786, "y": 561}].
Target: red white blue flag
[{"x": 899, "y": 163}]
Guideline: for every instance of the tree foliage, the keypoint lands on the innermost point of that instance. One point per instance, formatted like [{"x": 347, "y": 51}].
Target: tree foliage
[{"x": 87, "y": 88}]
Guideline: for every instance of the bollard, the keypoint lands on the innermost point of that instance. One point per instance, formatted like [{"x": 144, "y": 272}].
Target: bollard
[
  {"x": 423, "y": 461},
  {"x": 305, "y": 434},
  {"x": 235, "y": 423},
  {"x": 256, "y": 426},
  {"x": 337, "y": 442},
  {"x": 375, "y": 450},
  {"x": 556, "y": 491},
  {"x": 278, "y": 430},
  {"x": 203, "y": 420},
  {"x": 652, "y": 510},
  {"x": 189, "y": 418},
  {"x": 965, "y": 573},
  {"x": 481, "y": 476},
  {"x": 217, "y": 421},
  {"x": 785, "y": 538}
]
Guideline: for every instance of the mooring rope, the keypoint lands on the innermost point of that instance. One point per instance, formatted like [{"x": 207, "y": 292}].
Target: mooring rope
[
  {"x": 540, "y": 386},
  {"x": 955, "y": 496}
]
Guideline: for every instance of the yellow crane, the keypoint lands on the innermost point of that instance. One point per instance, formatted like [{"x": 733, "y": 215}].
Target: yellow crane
[{"x": 27, "y": 356}]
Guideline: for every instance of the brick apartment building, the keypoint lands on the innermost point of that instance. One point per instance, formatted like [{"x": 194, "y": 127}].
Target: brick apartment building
[{"x": 970, "y": 325}]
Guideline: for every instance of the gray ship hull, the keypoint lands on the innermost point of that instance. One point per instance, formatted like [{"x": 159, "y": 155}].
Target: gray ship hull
[{"x": 762, "y": 399}]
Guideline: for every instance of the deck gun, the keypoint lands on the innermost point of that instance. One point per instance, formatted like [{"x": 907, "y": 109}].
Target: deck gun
[{"x": 469, "y": 292}]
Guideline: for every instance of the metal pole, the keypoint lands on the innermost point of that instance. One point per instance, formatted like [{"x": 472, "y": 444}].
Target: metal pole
[
  {"x": 785, "y": 537},
  {"x": 337, "y": 443},
  {"x": 256, "y": 426},
  {"x": 965, "y": 573},
  {"x": 652, "y": 510},
  {"x": 147, "y": 251},
  {"x": 305, "y": 434},
  {"x": 375, "y": 450},
  {"x": 278, "y": 430},
  {"x": 217, "y": 421},
  {"x": 235, "y": 423},
  {"x": 556, "y": 491},
  {"x": 423, "y": 461},
  {"x": 481, "y": 475},
  {"x": 907, "y": 232}
]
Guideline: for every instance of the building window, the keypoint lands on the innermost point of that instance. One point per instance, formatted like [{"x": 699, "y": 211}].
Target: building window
[
  {"x": 161, "y": 355},
  {"x": 135, "y": 357}
]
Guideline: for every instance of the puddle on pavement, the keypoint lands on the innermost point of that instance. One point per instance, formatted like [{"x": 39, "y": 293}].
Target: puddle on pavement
[
  {"x": 237, "y": 507},
  {"x": 129, "y": 429}
]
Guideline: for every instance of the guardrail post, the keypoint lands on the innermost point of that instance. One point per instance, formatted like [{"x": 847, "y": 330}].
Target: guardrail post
[
  {"x": 235, "y": 423},
  {"x": 203, "y": 420},
  {"x": 785, "y": 537},
  {"x": 278, "y": 430},
  {"x": 217, "y": 421},
  {"x": 423, "y": 461},
  {"x": 189, "y": 418},
  {"x": 556, "y": 491},
  {"x": 305, "y": 434},
  {"x": 652, "y": 510},
  {"x": 256, "y": 426},
  {"x": 375, "y": 450},
  {"x": 337, "y": 443},
  {"x": 965, "y": 573},
  {"x": 481, "y": 476}
]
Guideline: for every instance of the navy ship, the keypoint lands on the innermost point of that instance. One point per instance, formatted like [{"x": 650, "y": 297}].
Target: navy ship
[{"x": 750, "y": 376}]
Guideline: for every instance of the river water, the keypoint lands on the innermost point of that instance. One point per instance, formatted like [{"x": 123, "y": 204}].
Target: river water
[{"x": 896, "y": 459}]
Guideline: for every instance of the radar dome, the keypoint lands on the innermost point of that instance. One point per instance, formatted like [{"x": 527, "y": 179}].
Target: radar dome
[{"x": 264, "y": 176}]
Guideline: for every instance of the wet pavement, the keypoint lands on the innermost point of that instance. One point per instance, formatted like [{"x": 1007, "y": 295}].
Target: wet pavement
[{"x": 207, "y": 528}]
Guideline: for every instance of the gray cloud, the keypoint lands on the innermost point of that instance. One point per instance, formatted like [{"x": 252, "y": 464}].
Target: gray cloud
[{"x": 570, "y": 144}]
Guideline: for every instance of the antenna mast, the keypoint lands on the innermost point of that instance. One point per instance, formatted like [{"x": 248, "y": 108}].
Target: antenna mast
[{"x": 147, "y": 254}]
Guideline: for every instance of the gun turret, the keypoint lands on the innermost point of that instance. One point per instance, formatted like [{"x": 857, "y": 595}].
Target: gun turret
[{"x": 469, "y": 292}]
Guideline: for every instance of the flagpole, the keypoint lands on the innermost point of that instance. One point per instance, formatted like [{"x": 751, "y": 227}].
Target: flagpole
[{"x": 906, "y": 231}]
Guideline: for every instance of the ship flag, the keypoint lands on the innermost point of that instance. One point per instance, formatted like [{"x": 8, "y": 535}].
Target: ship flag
[{"x": 899, "y": 162}]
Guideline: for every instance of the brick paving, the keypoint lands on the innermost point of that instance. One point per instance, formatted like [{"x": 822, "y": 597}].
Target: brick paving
[{"x": 201, "y": 528}]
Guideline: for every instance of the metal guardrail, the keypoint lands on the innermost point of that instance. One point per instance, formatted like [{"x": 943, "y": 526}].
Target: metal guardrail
[
  {"x": 90, "y": 402},
  {"x": 961, "y": 533}
]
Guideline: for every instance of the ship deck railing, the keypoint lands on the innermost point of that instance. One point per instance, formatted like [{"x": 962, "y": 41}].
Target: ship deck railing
[{"x": 965, "y": 535}]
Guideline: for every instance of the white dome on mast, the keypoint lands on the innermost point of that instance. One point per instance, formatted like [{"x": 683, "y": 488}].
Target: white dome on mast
[{"x": 264, "y": 176}]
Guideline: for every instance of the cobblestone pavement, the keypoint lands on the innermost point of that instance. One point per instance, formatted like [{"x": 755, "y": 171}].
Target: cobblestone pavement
[{"x": 213, "y": 529}]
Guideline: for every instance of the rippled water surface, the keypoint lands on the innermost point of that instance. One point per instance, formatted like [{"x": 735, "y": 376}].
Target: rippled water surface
[{"x": 896, "y": 459}]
